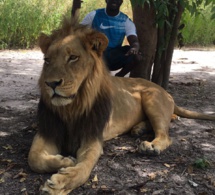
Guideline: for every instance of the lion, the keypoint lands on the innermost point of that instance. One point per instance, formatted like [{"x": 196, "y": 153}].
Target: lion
[{"x": 82, "y": 105}]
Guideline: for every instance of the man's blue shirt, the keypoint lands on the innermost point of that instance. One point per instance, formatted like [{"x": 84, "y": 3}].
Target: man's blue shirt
[{"x": 114, "y": 27}]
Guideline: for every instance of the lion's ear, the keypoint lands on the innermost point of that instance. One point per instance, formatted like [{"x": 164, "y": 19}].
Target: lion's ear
[
  {"x": 44, "y": 41},
  {"x": 98, "y": 42}
]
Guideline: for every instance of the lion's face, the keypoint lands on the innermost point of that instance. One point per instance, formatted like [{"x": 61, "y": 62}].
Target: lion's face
[
  {"x": 68, "y": 62},
  {"x": 65, "y": 68}
]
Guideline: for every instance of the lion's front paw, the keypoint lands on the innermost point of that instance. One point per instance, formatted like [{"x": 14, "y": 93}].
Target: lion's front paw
[
  {"x": 64, "y": 181},
  {"x": 55, "y": 186},
  {"x": 66, "y": 161}
]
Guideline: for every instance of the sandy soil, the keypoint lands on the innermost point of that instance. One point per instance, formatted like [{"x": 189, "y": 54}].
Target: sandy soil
[{"x": 187, "y": 167}]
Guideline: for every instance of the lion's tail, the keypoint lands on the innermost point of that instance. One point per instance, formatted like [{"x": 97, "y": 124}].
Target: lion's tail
[{"x": 192, "y": 114}]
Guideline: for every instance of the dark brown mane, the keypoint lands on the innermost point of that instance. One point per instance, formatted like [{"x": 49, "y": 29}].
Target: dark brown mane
[
  {"x": 85, "y": 119},
  {"x": 69, "y": 135},
  {"x": 68, "y": 26}
]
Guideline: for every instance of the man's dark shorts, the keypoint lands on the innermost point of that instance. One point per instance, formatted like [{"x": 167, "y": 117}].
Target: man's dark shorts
[{"x": 115, "y": 58}]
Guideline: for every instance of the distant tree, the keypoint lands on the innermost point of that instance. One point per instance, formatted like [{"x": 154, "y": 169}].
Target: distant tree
[{"x": 158, "y": 25}]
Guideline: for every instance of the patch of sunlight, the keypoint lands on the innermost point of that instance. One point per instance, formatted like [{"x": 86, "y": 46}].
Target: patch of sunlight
[
  {"x": 5, "y": 119},
  {"x": 27, "y": 73},
  {"x": 3, "y": 134},
  {"x": 207, "y": 146},
  {"x": 209, "y": 112}
]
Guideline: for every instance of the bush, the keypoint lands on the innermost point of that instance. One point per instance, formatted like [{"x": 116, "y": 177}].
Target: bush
[
  {"x": 23, "y": 20},
  {"x": 199, "y": 29}
]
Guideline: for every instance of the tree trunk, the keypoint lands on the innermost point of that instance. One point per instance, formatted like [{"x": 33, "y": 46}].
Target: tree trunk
[
  {"x": 144, "y": 19},
  {"x": 171, "y": 45},
  {"x": 156, "y": 44},
  {"x": 157, "y": 76}
]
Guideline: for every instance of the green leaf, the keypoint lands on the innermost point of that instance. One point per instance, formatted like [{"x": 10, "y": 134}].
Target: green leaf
[{"x": 202, "y": 163}]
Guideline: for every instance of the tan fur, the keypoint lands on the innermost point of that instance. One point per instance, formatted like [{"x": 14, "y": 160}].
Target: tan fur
[{"x": 75, "y": 85}]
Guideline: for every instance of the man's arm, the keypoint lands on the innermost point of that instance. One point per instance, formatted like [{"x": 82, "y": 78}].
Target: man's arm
[
  {"x": 132, "y": 38},
  {"x": 134, "y": 43},
  {"x": 88, "y": 19},
  {"x": 75, "y": 6}
]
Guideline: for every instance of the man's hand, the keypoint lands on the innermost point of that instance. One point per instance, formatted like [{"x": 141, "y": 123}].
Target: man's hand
[
  {"x": 135, "y": 46},
  {"x": 136, "y": 52},
  {"x": 133, "y": 51}
]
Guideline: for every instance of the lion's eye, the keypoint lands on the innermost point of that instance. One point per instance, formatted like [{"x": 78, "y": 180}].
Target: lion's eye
[
  {"x": 73, "y": 58},
  {"x": 46, "y": 60}
]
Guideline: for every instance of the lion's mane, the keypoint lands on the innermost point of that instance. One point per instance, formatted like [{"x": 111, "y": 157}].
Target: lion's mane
[{"x": 85, "y": 118}]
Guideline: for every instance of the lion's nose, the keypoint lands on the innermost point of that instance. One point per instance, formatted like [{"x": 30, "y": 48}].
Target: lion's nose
[{"x": 54, "y": 84}]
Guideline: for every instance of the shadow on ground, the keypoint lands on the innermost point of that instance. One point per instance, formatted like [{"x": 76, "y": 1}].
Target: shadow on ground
[{"x": 121, "y": 170}]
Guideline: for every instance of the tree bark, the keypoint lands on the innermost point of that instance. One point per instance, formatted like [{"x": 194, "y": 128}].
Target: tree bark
[
  {"x": 156, "y": 43},
  {"x": 144, "y": 19},
  {"x": 171, "y": 45},
  {"x": 157, "y": 76}
]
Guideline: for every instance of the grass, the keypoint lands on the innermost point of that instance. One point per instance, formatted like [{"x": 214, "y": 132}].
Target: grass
[
  {"x": 199, "y": 30},
  {"x": 202, "y": 163},
  {"x": 23, "y": 20}
]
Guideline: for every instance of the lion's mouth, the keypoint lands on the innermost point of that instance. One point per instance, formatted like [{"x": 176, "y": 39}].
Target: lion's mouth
[{"x": 55, "y": 95}]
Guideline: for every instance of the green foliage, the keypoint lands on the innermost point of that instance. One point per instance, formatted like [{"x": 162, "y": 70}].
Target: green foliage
[
  {"x": 198, "y": 17},
  {"x": 163, "y": 10},
  {"x": 165, "y": 7},
  {"x": 23, "y": 20},
  {"x": 199, "y": 29},
  {"x": 201, "y": 163},
  {"x": 90, "y": 5},
  {"x": 194, "y": 7}
]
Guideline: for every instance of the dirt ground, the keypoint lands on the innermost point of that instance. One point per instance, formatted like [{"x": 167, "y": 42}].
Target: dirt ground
[{"x": 187, "y": 167}]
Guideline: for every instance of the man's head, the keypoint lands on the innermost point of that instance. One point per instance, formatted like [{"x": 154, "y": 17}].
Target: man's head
[{"x": 113, "y": 4}]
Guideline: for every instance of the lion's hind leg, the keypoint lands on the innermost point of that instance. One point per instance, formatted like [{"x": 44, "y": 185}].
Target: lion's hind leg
[
  {"x": 158, "y": 108},
  {"x": 142, "y": 128},
  {"x": 44, "y": 156},
  {"x": 158, "y": 144}
]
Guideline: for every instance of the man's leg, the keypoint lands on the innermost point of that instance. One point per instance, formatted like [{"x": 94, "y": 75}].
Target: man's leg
[
  {"x": 125, "y": 69},
  {"x": 116, "y": 59}
]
